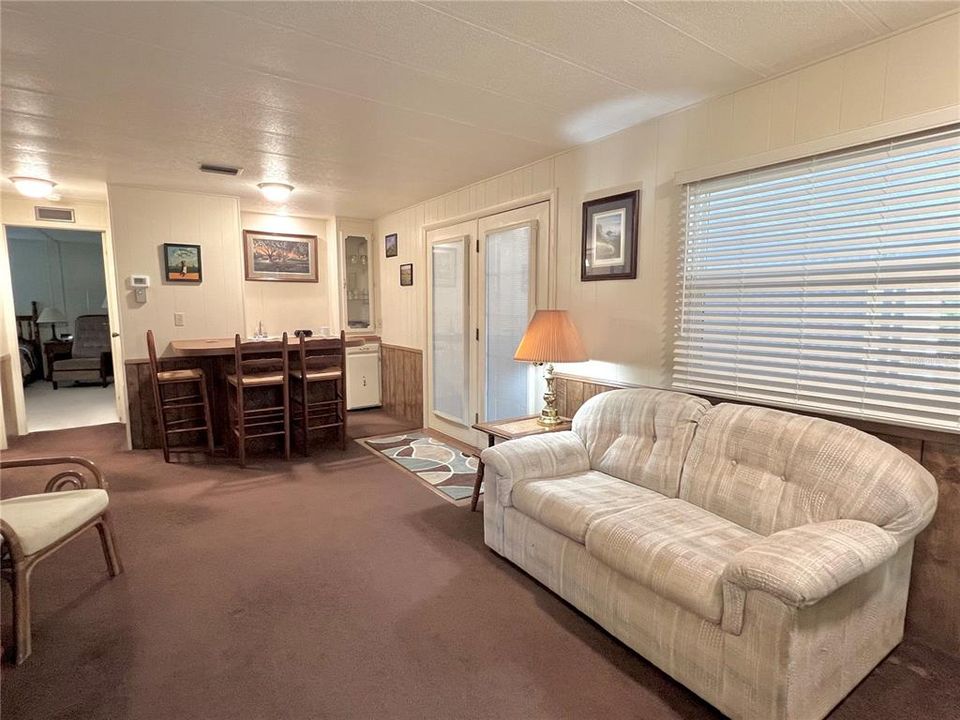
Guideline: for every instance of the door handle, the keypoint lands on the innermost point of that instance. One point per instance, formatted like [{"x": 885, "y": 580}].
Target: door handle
[{"x": 114, "y": 334}]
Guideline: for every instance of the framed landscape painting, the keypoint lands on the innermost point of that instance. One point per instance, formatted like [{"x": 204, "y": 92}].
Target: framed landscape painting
[
  {"x": 280, "y": 257},
  {"x": 406, "y": 275},
  {"x": 182, "y": 263},
  {"x": 610, "y": 228},
  {"x": 390, "y": 245}
]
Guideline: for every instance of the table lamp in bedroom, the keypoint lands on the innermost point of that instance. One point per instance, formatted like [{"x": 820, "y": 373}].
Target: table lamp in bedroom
[
  {"x": 550, "y": 337},
  {"x": 52, "y": 317}
]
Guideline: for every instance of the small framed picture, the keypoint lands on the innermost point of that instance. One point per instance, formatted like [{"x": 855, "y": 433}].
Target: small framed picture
[
  {"x": 390, "y": 245},
  {"x": 182, "y": 263},
  {"x": 610, "y": 229},
  {"x": 280, "y": 257},
  {"x": 406, "y": 275}
]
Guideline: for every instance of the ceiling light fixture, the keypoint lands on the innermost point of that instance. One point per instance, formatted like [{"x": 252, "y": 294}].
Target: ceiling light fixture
[
  {"x": 275, "y": 192},
  {"x": 33, "y": 187}
]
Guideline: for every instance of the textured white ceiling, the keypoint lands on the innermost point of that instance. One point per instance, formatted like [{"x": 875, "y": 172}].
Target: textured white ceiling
[{"x": 370, "y": 106}]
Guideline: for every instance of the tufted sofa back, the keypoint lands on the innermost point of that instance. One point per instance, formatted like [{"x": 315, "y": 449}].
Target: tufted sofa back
[
  {"x": 769, "y": 470},
  {"x": 640, "y": 436}
]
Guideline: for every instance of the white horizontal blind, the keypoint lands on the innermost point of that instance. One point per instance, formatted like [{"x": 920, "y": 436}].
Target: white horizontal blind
[{"x": 830, "y": 284}]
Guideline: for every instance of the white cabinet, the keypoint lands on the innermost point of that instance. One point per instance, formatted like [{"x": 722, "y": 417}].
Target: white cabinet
[{"x": 363, "y": 376}]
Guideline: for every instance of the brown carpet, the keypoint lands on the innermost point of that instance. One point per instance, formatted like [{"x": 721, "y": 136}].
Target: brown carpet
[{"x": 333, "y": 587}]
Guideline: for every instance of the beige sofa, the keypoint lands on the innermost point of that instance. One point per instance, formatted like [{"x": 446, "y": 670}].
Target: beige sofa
[{"x": 760, "y": 558}]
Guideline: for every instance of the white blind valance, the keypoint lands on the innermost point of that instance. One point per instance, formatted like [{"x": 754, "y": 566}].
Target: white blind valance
[{"x": 830, "y": 284}]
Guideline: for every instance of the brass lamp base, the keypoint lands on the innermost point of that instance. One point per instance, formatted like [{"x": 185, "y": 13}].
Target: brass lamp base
[{"x": 549, "y": 417}]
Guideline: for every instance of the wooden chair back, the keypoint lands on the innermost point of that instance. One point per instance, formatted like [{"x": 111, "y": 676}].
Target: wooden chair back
[
  {"x": 152, "y": 354},
  {"x": 257, "y": 357},
  {"x": 323, "y": 353}
]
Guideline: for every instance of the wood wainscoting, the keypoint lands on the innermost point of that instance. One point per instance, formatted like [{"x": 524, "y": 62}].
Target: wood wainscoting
[
  {"x": 401, "y": 382},
  {"x": 933, "y": 611}
]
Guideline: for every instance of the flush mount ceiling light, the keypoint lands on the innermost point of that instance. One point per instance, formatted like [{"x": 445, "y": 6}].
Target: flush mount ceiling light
[
  {"x": 33, "y": 187},
  {"x": 275, "y": 192}
]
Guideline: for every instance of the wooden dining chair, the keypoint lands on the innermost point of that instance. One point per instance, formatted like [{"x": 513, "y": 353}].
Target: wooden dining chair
[
  {"x": 32, "y": 527},
  {"x": 175, "y": 391},
  {"x": 321, "y": 366},
  {"x": 261, "y": 368}
]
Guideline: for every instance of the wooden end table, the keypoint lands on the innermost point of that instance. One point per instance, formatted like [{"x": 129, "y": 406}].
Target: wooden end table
[
  {"x": 55, "y": 350},
  {"x": 510, "y": 429}
]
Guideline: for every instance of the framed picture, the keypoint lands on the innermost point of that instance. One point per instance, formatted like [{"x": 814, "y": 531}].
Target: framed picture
[
  {"x": 280, "y": 257},
  {"x": 610, "y": 228},
  {"x": 406, "y": 275},
  {"x": 181, "y": 263},
  {"x": 390, "y": 245}
]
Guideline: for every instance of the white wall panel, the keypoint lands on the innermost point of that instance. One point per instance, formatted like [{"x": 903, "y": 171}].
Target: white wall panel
[{"x": 628, "y": 324}]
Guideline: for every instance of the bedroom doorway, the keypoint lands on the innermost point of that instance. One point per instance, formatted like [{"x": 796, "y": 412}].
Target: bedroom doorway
[{"x": 59, "y": 292}]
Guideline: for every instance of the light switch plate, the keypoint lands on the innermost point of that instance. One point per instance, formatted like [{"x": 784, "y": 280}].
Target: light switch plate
[{"x": 178, "y": 319}]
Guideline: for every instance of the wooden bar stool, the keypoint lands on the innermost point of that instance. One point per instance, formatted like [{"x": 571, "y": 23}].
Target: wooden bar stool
[
  {"x": 259, "y": 365},
  {"x": 321, "y": 360},
  {"x": 169, "y": 407}
]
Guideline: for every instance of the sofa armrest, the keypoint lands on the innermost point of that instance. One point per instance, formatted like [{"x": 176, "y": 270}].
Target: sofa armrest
[
  {"x": 802, "y": 565},
  {"x": 536, "y": 456}
]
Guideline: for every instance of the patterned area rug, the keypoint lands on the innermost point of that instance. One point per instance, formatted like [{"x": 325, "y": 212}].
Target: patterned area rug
[{"x": 446, "y": 468}]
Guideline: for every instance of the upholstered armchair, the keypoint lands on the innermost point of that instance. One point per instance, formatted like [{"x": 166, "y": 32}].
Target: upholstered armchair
[
  {"x": 34, "y": 526},
  {"x": 90, "y": 357}
]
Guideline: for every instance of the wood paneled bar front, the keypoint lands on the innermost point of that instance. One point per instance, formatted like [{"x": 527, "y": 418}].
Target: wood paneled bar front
[{"x": 212, "y": 355}]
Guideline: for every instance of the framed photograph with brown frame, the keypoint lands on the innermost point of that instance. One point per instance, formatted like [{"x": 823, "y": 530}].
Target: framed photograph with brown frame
[
  {"x": 406, "y": 275},
  {"x": 610, "y": 234},
  {"x": 280, "y": 257},
  {"x": 390, "y": 245}
]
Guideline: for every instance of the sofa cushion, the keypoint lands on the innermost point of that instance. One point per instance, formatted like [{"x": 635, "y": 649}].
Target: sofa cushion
[
  {"x": 770, "y": 470},
  {"x": 673, "y": 548},
  {"x": 72, "y": 364},
  {"x": 641, "y": 435},
  {"x": 571, "y": 503},
  {"x": 41, "y": 520}
]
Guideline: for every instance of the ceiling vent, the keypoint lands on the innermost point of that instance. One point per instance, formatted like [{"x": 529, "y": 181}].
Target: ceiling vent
[
  {"x": 220, "y": 169},
  {"x": 54, "y": 214}
]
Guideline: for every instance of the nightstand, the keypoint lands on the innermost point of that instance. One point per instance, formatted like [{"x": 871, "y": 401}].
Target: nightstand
[
  {"x": 55, "y": 350},
  {"x": 510, "y": 429}
]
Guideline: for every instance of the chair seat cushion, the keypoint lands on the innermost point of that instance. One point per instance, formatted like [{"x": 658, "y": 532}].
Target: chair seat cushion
[
  {"x": 571, "y": 503},
  {"x": 180, "y": 375},
  {"x": 77, "y": 364},
  {"x": 676, "y": 549},
  {"x": 258, "y": 379},
  {"x": 330, "y": 373},
  {"x": 41, "y": 520}
]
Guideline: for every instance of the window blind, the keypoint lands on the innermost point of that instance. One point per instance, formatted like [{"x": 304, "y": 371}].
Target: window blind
[{"x": 829, "y": 284}]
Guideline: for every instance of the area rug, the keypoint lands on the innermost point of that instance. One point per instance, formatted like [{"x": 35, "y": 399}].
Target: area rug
[{"x": 445, "y": 468}]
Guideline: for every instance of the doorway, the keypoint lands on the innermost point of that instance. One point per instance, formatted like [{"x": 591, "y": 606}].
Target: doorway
[
  {"x": 59, "y": 293},
  {"x": 486, "y": 278}
]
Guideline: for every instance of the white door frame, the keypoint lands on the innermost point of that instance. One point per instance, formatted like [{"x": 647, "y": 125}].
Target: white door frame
[
  {"x": 538, "y": 212},
  {"x": 113, "y": 314}
]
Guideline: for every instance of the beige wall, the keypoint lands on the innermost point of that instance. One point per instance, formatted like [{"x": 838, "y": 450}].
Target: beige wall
[
  {"x": 292, "y": 306},
  {"x": 142, "y": 220},
  {"x": 903, "y": 83}
]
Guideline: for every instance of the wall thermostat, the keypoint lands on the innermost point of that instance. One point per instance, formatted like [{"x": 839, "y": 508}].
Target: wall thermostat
[{"x": 139, "y": 285}]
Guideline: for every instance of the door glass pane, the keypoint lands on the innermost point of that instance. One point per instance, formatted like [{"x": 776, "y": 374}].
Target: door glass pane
[
  {"x": 356, "y": 260},
  {"x": 508, "y": 386},
  {"x": 449, "y": 320}
]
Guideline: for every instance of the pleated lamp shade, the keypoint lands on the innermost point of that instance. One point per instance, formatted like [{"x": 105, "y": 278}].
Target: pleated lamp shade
[{"x": 551, "y": 337}]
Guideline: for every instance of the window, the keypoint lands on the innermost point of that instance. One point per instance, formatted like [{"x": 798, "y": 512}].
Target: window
[{"x": 829, "y": 284}]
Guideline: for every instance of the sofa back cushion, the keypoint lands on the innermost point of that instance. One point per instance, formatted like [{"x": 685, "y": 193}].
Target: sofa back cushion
[
  {"x": 641, "y": 435},
  {"x": 769, "y": 470}
]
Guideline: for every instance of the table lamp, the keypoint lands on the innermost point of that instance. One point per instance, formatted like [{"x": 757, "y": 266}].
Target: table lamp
[
  {"x": 52, "y": 317},
  {"x": 550, "y": 337}
]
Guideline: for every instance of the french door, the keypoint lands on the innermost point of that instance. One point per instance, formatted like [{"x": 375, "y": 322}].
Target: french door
[{"x": 485, "y": 281}]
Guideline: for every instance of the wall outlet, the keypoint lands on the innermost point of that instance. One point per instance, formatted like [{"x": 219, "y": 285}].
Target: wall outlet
[{"x": 178, "y": 319}]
